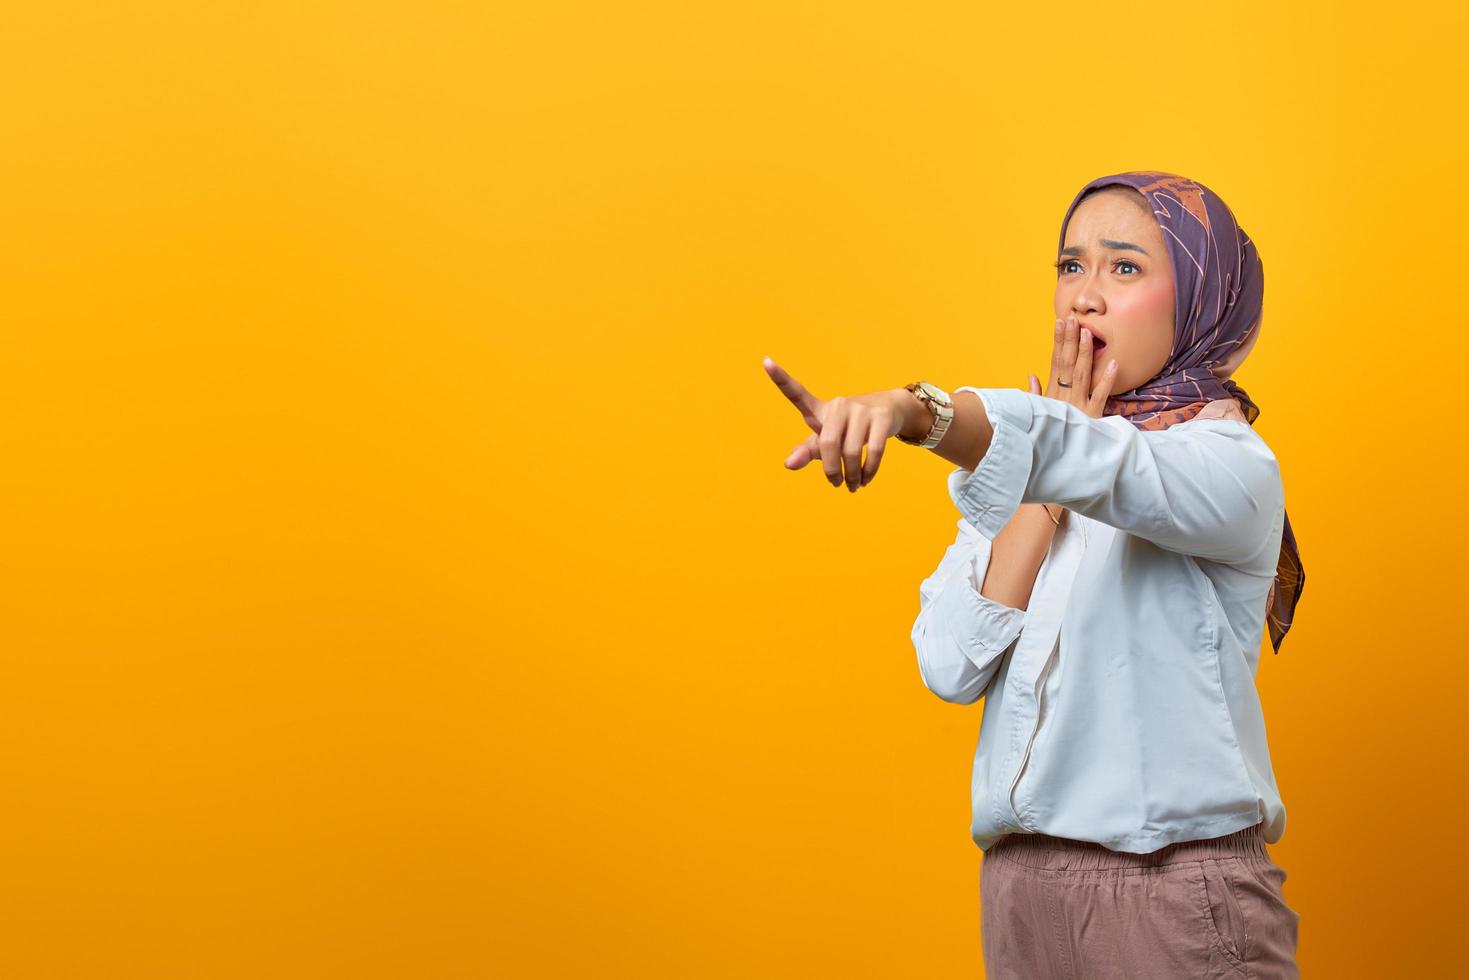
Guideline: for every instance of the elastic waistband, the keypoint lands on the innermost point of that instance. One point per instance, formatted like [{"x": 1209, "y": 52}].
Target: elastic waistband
[{"x": 1045, "y": 851}]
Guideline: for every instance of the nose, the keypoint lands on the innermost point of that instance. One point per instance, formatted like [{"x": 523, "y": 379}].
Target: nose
[{"x": 1088, "y": 299}]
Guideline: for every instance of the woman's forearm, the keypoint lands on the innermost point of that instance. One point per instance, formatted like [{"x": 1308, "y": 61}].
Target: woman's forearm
[
  {"x": 969, "y": 434},
  {"x": 1016, "y": 556}
]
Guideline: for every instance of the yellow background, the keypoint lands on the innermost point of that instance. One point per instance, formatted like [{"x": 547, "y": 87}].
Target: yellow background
[{"x": 401, "y": 576}]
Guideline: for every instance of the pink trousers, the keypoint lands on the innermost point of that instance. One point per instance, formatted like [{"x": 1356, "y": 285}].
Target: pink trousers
[{"x": 1073, "y": 910}]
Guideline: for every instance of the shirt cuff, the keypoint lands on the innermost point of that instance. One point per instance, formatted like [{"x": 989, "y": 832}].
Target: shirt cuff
[
  {"x": 989, "y": 495},
  {"x": 982, "y": 626}
]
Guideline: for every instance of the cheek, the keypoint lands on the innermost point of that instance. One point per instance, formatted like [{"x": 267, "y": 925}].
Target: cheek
[{"x": 1150, "y": 309}]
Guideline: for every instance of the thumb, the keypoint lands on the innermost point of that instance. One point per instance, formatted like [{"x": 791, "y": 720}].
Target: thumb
[
  {"x": 803, "y": 453},
  {"x": 1035, "y": 385}
]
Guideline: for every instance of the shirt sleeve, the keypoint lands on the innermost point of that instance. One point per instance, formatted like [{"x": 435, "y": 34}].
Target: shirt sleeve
[
  {"x": 961, "y": 636},
  {"x": 1208, "y": 487}
]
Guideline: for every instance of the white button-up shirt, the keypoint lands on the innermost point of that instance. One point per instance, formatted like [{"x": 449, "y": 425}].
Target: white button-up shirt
[{"x": 1120, "y": 705}]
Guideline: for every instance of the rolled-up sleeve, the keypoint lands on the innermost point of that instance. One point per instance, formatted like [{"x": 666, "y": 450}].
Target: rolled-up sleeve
[
  {"x": 960, "y": 635},
  {"x": 1209, "y": 488}
]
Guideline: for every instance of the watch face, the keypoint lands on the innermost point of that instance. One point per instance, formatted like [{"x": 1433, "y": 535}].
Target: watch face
[{"x": 937, "y": 393}]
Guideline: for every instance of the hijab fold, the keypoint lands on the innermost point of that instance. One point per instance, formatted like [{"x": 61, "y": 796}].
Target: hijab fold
[{"x": 1219, "y": 285}]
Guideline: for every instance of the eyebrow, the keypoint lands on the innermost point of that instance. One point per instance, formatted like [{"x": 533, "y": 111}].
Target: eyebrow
[{"x": 1106, "y": 243}]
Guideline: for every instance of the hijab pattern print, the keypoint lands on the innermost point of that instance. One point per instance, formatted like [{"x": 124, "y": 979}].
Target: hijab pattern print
[{"x": 1218, "y": 290}]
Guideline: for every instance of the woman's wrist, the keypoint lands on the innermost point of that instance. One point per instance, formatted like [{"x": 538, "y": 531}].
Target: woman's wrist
[
  {"x": 914, "y": 418},
  {"x": 1049, "y": 513}
]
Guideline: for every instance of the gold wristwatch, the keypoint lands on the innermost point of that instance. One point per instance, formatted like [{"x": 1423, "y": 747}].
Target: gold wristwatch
[{"x": 942, "y": 407}]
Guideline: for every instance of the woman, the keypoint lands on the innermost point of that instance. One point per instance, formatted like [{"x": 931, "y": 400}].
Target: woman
[{"x": 1123, "y": 545}]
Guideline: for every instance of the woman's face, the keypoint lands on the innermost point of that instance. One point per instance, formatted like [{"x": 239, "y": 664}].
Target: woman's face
[{"x": 1115, "y": 277}]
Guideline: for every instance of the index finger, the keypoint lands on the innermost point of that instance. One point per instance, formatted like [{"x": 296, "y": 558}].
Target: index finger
[{"x": 795, "y": 391}]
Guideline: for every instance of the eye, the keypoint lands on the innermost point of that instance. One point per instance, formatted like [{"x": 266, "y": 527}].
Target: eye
[{"x": 1062, "y": 265}]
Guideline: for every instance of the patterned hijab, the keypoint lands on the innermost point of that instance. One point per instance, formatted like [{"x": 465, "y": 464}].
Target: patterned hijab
[{"x": 1219, "y": 283}]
